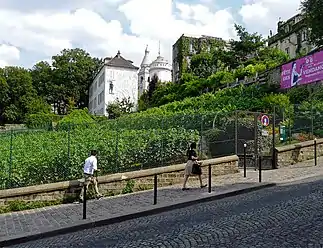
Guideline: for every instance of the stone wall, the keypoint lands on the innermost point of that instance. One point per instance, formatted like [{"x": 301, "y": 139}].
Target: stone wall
[
  {"x": 119, "y": 183},
  {"x": 292, "y": 154}
]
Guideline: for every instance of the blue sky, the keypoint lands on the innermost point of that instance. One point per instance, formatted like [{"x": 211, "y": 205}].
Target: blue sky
[{"x": 39, "y": 29}]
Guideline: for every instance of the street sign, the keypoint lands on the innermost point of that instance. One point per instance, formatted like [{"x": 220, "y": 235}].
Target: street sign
[{"x": 265, "y": 120}]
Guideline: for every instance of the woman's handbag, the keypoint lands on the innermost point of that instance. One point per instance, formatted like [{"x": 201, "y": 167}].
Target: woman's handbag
[{"x": 196, "y": 169}]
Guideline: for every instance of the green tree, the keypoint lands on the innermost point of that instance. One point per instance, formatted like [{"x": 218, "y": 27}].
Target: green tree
[
  {"x": 19, "y": 93},
  {"x": 247, "y": 46},
  {"x": 73, "y": 72},
  {"x": 42, "y": 78},
  {"x": 312, "y": 10},
  {"x": 202, "y": 65},
  {"x": 4, "y": 96},
  {"x": 152, "y": 86},
  {"x": 119, "y": 108}
]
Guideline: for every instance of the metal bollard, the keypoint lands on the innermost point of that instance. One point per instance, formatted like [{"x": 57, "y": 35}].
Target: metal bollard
[
  {"x": 260, "y": 158},
  {"x": 84, "y": 201},
  {"x": 155, "y": 189},
  {"x": 245, "y": 160},
  {"x": 315, "y": 152},
  {"x": 210, "y": 178}
]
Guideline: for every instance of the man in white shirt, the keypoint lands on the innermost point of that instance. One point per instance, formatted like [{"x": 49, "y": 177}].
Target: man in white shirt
[{"x": 90, "y": 166}]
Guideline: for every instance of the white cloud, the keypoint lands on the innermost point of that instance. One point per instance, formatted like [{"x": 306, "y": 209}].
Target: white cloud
[
  {"x": 44, "y": 32},
  {"x": 8, "y": 54},
  {"x": 263, "y": 15}
]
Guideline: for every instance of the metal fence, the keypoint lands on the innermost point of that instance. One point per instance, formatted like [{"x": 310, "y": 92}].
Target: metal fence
[{"x": 53, "y": 154}]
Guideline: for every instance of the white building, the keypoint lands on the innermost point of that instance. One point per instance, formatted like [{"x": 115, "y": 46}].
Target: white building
[
  {"x": 291, "y": 37},
  {"x": 117, "y": 79},
  {"x": 159, "y": 67}
]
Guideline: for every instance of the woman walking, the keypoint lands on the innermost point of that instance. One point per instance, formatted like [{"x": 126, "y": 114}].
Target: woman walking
[{"x": 193, "y": 166}]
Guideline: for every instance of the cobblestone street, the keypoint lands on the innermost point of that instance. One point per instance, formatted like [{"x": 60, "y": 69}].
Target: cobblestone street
[
  {"x": 284, "y": 216},
  {"x": 43, "y": 219}
]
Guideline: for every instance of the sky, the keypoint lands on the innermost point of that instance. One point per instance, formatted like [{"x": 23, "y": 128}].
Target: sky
[{"x": 36, "y": 30}]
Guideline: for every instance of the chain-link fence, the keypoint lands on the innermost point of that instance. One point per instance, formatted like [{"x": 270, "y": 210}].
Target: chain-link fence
[
  {"x": 53, "y": 154},
  {"x": 299, "y": 123},
  {"x": 46, "y": 155}
]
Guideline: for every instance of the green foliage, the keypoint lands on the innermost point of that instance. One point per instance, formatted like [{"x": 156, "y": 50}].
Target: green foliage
[
  {"x": 52, "y": 156},
  {"x": 219, "y": 78},
  {"x": 41, "y": 120},
  {"x": 202, "y": 65},
  {"x": 247, "y": 45},
  {"x": 215, "y": 68},
  {"x": 298, "y": 94},
  {"x": 37, "y": 105},
  {"x": 119, "y": 108},
  {"x": 72, "y": 72},
  {"x": 18, "y": 97},
  {"x": 18, "y": 205},
  {"x": 75, "y": 119},
  {"x": 153, "y": 84},
  {"x": 280, "y": 101},
  {"x": 312, "y": 11},
  {"x": 129, "y": 187}
]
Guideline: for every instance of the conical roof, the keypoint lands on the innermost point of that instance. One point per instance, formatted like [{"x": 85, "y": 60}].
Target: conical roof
[{"x": 145, "y": 60}]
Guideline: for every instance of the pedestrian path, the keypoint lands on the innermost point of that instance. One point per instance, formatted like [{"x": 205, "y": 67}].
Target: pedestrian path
[{"x": 24, "y": 223}]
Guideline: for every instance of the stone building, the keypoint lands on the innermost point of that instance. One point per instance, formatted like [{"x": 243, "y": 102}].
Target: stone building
[
  {"x": 159, "y": 67},
  {"x": 291, "y": 37},
  {"x": 117, "y": 79},
  {"x": 188, "y": 45}
]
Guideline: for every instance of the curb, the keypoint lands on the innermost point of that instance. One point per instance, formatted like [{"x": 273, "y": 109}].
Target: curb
[{"x": 18, "y": 239}]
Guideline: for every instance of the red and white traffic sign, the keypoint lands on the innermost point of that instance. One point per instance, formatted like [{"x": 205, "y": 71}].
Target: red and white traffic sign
[{"x": 265, "y": 120}]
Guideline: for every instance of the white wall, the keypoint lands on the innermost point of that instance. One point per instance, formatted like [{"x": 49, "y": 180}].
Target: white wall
[
  {"x": 125, "y": 83},
  {"x": 96, "y": 105},
  {"x": 145, "y": 74},
  {"x": 163, "y": 75}
]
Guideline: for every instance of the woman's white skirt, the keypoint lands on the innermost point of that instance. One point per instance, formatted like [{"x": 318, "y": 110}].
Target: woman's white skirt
[{"x": 188, "y": 168}]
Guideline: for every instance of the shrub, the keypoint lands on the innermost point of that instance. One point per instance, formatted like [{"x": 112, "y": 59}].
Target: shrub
[
  {"x": 41, "y": 120},
  {"x": 77, "y": 118}
]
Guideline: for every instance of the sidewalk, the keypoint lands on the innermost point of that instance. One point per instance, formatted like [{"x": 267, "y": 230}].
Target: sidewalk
[{"x": 28, "y": 225}]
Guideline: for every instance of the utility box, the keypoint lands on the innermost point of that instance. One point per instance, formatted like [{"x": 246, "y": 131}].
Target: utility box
[{"x": 282, "y": 133}]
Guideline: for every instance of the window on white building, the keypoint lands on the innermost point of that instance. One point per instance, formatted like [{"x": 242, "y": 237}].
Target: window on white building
[
  {"x": 101, "y": 79},
  {"x": 91, "y": 91},
  {"x": 287, "y": 50},
  {"x": 101, "y": 97},
  {"x": 304, "y": 35},
  {"x": 191, "y": 47},
  {"x": 94, "y": 103}
]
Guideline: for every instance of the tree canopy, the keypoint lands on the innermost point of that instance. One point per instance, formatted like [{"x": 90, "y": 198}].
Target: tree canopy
[
  {"x": 312, "y": 10},
  {"x": 211, "y": 71}
]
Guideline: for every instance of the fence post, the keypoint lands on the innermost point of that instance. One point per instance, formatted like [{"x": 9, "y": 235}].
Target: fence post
[
  {"x": 244, "y": 160},
  {"x": 312, "y": 121},
  {"x": 117, "y": 151},
  {"x": 10, "y": 159},
  {"x": 155, "y": 189},
  {"x": 84, "y": 201},
  {"x": 210, "y": 178},
  {"x": 236, "y": 132},
  {"x": 315, "y": 152},
  {"x": 256, "y": 138},
  {"x": 289, "y": 129},
  {"x": 274, "y": 139},
  {"x": 201, "y": 134},
  {"x": 69, "y": 144},
  {"x": 162, "y": 143},
  {"x": 260, "y": 161}
]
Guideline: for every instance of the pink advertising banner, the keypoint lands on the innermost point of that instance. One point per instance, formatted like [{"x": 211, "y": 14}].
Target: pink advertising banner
[{"x": 305, "y": 70}]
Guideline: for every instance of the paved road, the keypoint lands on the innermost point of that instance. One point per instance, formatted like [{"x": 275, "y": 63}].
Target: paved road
[{"x": 284, "y": 216}]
